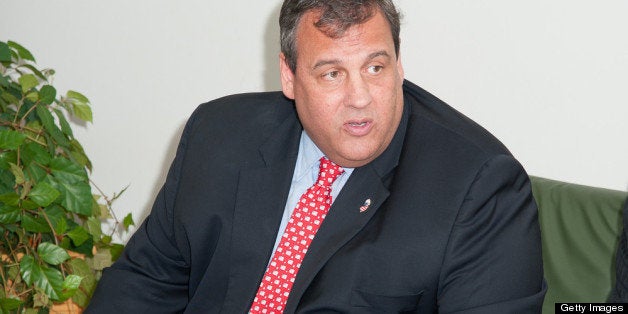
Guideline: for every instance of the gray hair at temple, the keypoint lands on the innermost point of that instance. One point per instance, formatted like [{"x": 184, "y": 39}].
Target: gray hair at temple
[{"x": 336, "y": 17}]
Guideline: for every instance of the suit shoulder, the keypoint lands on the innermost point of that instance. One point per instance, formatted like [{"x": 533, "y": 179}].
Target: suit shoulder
[
  {"x": 449, "y": 124},
  {"x": 238, "y": 123},
  {"x": 240, "y": 112},
  {"x": 245, "y": 104}
]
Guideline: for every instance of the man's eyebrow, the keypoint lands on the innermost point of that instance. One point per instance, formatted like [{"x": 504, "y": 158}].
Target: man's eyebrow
[
  {"x": 381, "y": 53},
  {"x": 325, "y": 62},
  {"x": 376, "y": 54}
]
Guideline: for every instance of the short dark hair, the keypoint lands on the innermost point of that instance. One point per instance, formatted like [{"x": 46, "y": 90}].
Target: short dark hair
[{"x": 336, "y": 16}]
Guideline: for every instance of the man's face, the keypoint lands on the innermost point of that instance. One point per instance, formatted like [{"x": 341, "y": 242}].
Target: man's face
[{"x": 347, "y": 90}]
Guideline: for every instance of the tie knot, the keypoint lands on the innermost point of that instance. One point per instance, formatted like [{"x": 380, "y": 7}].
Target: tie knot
[{"x": 328, "y": 171}]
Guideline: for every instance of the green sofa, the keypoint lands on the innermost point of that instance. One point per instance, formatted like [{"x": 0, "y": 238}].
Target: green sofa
[{"x": 580, "y": 229}]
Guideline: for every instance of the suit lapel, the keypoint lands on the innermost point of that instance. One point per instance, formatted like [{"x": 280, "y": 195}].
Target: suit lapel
[
  {"x": 342, "y": 223},
  {"x": 264, "y": 183}
]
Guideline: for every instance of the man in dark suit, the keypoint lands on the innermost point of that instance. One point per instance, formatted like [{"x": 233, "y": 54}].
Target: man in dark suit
[{"x": 430, "y": 212}]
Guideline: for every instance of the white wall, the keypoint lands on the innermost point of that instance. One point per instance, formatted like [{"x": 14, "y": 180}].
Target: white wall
[{"x": 546, "y": 77}]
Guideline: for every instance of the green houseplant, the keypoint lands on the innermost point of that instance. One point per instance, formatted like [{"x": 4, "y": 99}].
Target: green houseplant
[{"x": 51, "y": 241}]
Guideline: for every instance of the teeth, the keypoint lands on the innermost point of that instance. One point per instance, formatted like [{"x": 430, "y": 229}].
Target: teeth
[{"x": 357, "y": 124}]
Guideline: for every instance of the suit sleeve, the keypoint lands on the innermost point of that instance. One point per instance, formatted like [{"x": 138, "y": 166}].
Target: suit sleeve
[
  {"x": 493, "y": 259},
  {"x": 620, "y": 292},
  {"x": 151, "y": 275}
]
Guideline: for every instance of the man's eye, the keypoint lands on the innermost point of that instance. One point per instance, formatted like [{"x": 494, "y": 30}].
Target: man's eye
[
  {"x": 332, "y": 75},
  {"x": 374, "y": 69}
]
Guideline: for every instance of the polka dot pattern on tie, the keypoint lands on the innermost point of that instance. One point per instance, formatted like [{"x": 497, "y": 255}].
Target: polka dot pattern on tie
[{"x": 307, "y": 217}]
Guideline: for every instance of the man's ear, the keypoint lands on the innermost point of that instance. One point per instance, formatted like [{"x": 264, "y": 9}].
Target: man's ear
[
  {"x": 400, "y": 66},
  {"x": 287, "y": 77}
]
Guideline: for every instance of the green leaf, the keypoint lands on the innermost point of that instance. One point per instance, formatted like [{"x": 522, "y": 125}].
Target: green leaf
[
  {"x": 78, "y": 235},
  {"x": 9, "y": 99},
  {"x": 79, "y": 267},
  {"x": 88, "y": 284},
  {"x": 33, "y": 96},
  {"x": 10, "y": 199},
  {"x": 116, "y": 251},
  {"x": 9, "y": 215},
  {"x": 28, "y": 81},
  {"x": 51, "y": 253},
  {"x": 67, "y": 171},
  {"x": 4, "y": 82},
  {"x": 56, "y": 216},
  {"x": 79, "y": 155},
  {"x": 83, "y": 112},
  {"x": 34, "y": 224},
  {"x": 65, "y": 126},
  {"x": 76, "y": 197},
  {"x": 40, "y": 299},
  {"x": 28, "y": 204},
  {"x": 34, "y": 152},
  {"x": 46, "y": 118},
  {"x": 106, "y": 239},
  {"x": 93, "y": 226},
  {"x": 80, "y": 105},
  {"x": 35, "y": 71},
  {"x": 70, "y": 286},
  {"x": 102, "y": 259},
  {"x": 49, "y": 124},
  {"x": 26, "y": 188},
  {"x": 5, "y": 52},
  {"x": 128, "y": 221},
  {"x": 43, "y": 194},
  {"x": 18, "y": 173},
  {"x": 104, "y": 211},
  {"x": 10, "y": 139},
  {"x": 35, "y": 172},
  {"x": 21, "y": 51},
  {"x": 74, "y": 95},
  {"x": 27, "y": 267},
  {"x": 7, "y": 181},
  {"x": 49, "y": 280},
  {"x": 6, "y": 158},
  {"x": 47, "y": 94},
  {"x": 60, "y": 226},
  {"x": 85, "y": 248},
  {"x": 8, "y": 304}
]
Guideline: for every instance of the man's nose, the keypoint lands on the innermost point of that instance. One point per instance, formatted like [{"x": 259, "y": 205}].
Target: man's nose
[{"x": 357, "y": 94}]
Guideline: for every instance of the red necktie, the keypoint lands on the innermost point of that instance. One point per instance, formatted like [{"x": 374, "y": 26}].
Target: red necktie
[{"x": 304, "y": 222}]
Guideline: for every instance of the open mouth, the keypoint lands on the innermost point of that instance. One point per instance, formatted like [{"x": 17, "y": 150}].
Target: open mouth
[
  {"x": 357, "y": 124},
  {"x": 358, "y": 127}
]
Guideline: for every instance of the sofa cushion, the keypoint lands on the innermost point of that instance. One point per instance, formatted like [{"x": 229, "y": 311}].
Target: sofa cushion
[{"x": 580, "y": 228}]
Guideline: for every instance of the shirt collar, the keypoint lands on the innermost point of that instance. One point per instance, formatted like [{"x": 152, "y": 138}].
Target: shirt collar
[{"x": 308, "y": 158}]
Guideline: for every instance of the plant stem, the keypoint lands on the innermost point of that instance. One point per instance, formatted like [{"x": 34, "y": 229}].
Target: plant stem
[
  {"x": 36, "y": 141},
  {"x": 54, "y": 233},
  {"x": 29, "y": 111},
  {"x": 17, "y": 111},
  {"x": 113, "y": 214},
  {"x": 4, "y": 279}
]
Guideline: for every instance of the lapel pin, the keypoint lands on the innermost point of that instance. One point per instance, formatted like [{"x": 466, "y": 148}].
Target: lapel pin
[{"x": 366, "y": 205}]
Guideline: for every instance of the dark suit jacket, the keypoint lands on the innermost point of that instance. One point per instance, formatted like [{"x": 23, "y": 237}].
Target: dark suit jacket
[
  {"x": 620, "y": 292},
  {"x": 452, "y": 227}
]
